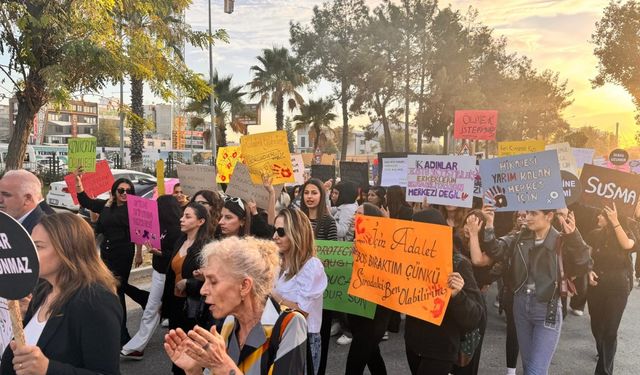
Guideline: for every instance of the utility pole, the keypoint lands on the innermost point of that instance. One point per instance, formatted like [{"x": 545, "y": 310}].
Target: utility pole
[
  {"x": 212, "y": 128},
  {"x": 121, "y": 124},
  {"x": 617, "y": 139}
]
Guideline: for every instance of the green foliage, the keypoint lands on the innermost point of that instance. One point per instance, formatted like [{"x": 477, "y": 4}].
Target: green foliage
[
  {"x": 291, "y": 137},
  {"x": 108, "y": 133}
]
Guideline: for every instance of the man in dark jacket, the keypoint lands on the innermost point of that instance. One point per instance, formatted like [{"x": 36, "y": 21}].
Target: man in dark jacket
[{"x": 20, "y": 194}]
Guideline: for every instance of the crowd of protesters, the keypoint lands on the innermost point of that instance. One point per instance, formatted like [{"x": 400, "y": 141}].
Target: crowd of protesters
[{"x": 242, "y": 287}]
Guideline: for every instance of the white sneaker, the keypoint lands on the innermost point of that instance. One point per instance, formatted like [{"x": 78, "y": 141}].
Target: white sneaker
[
  {"x": 496, "y": 304},
  {"x": 344, "y": 340},
  {"x": 335, "y": 328},
  {"x": 385, "y": 337},
  {"x": 576, "y": 312}
]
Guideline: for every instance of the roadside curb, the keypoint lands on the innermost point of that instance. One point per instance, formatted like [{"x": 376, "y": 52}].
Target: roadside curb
[{"x": 141, "y": 273}]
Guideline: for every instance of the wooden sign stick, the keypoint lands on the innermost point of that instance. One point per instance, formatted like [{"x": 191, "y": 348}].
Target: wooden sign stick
[{"x": 16, "y": 322}]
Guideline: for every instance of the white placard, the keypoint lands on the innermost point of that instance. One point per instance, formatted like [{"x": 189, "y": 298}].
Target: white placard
[
  {"x": 394, "y": 172},
  {"x": 442, "y": 179}
]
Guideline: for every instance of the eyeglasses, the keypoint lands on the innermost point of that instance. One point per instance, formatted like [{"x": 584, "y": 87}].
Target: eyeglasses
[
  {"x": 123, "y": 190},
  {"x": 280, "y": 232},
  {"x": 235, "y": 200}
]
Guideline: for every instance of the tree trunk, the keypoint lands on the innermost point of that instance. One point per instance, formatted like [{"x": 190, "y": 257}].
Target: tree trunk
[
  {"x": 420, "y": 118},
  {"x": 222, "y": 131},
  {"x": 29, "y": 103},
  {"x": 406, "y": 109},
  {"x": 388, "y": 141},
  {"x": 280, "y": 112},
  {"x": 137, "y": 123},
  {"x": 345, "y": 119}
]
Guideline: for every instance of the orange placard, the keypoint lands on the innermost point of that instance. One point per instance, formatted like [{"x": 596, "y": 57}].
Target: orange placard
[{"x": 403, "y": 265}]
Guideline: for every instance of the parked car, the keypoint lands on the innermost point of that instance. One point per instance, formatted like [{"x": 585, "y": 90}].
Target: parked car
[{"x": 59, "y": 196}]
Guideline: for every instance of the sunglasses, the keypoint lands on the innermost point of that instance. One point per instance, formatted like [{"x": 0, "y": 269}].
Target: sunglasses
[
  {"x": 123, "y": 190},
  {"x": 280, "y": 232},
  {"x": 235, "y": 200}
]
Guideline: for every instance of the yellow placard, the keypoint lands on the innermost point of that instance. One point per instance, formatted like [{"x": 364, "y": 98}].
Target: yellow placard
[
  {"x": 403, "y": 265},
  {"x": 226, "y": 162},
  {"x": 160, "y": 176},
  {"x": 519, "y": 147},
  {"x": 268, "y": 153}
]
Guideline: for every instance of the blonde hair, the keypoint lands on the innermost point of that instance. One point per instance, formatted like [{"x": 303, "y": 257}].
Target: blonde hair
[
  {"x": 298, "y": 229},
  {"x": 246, "y": 258}
]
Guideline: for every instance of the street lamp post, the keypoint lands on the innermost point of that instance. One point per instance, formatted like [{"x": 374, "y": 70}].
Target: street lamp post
[{"x": 214, "y": 142}]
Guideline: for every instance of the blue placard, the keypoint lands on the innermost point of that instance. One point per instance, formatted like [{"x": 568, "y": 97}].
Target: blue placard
[{"x": 523, "y": 182}]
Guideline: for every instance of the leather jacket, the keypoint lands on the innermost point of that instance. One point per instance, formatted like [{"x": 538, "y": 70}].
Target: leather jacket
[{"x": 542, "y": 264}]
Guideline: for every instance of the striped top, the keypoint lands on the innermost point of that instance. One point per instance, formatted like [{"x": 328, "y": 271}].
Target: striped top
[
  {"x": 325, "y": 228},
  {"x": 253, "y": 358}
]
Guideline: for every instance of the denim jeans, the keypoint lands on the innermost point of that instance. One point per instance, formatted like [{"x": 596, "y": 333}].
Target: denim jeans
[{"x": 537, "y": 340}]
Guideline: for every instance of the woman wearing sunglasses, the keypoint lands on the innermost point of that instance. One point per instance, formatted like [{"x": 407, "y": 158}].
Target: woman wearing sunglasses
[
  {"x": 116, "y": 250},
  {"x": 302, "y": 281}
]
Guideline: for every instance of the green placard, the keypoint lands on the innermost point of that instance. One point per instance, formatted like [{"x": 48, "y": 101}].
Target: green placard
[
  {"x": 82, "y": 153},
  {"x": 338, "y": 263}
]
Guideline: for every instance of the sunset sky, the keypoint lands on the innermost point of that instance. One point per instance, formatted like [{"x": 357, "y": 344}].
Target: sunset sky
[{"x": 555, "y": 34}]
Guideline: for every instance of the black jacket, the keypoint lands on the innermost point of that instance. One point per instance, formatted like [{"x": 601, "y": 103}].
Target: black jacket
[
  {"x": 542, "y": 260},
  {"x": 464, "y": 313},
  {"x": 190, "y": 264},
  {"x": 113, "y": 222},
  {"x": 83, "y": 339},
  {"x": 32, "y": 219}
]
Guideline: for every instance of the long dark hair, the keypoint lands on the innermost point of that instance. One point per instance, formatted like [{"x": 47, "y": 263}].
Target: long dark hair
[
  {"x": 369, "y": 209},
  {"x": 380, "y": 192},
  {"x": 119, "y": 181},
  {"x": 204, "y": 232},
  {"x": 396, "y": 200},
  {"x": 169, "y": 213},
  {"x": 215, "y": 205},
  {"x": 322, "y": 206}
]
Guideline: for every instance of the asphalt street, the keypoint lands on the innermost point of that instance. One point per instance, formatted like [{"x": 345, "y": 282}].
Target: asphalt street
[{"x": 575, "y": 355}]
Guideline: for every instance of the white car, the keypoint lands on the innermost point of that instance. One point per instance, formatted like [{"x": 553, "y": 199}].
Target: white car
[{"x": 59, "y": 196}]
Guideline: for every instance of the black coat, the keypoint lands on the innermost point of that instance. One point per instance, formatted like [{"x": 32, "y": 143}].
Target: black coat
[
  {"x": 190, "y": 264},
  {"x": 83, "y": 339},
  {"x": 33, "y": 219},
  {"x": 113, "y": 222}
]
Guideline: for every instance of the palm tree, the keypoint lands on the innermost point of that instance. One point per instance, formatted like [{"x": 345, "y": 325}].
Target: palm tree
[
  {"x": 317, "y": 115},
  {"x": 279, "y": 76},
  {"x": 227, "y": 105}
]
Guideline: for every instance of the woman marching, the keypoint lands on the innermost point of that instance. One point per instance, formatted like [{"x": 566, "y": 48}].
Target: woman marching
[
  {"x": 534, "y": 276},
  {"x": 611, "y": 281}
]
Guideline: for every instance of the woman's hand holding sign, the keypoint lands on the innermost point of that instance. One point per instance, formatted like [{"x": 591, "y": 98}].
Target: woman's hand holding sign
[{"x": 456, "y": 283}]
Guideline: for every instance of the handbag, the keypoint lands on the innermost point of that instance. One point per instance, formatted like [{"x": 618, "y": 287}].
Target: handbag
[
  {"x": 567, "y": 286},
  {"x": 468, "y": 344}
]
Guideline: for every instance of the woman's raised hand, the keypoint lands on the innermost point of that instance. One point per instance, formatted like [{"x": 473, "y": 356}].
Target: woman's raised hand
[{"x": 175, "y": 345}]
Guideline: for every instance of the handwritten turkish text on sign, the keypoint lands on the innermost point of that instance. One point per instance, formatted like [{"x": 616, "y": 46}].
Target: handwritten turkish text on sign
[
  {"x": 226, "y": 162},
  {"x": 94, "y": 183},
  {"x": 196, "y": 177},
  {"x": 355, "y": 172},
  {"x": 298, "y": 169},
  {"x": 582, "y": 156},
  {"x": 403, "y": 265},
  {"x": 82, "y": 153},
  {"x": 519, "y": 147},
  {"x": 144, "y": 221},
  {"x": 242, "y": 187},
  {"x": 604, "y": 185},
  {"x": 480, "y": 125},
  {"x": 441, "y": 179},
  {"x": 523, "y": 182},
  {"x": 565, "y": 156},
  {"x": 268, "y": 153},
  {"x": 337, "y": 260}
]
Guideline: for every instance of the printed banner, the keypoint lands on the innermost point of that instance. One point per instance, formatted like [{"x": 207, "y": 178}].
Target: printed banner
[
  {"x": 242, "y": 187},
  {"x": 403, "y": 265},
  {"x": 634, "y": 166},
  {"x": 582, "y": 156},
  {"x": 480, "y": 125},
  {"x": 197, "y": 177},
  {"x": 298, "y": 169},
  {"x": 523, "y": 182},
  {"x": 94, "y": 183},
  {"x": 355, "y": 172},
  {"x": 144, "y": 222},
  {"x": 565, "y": 157},
  {"x": 519, "y": 147},
  {"x": 338, "y": 263},
  {"x": 322, "y": 172},
  {"x": 571, "y": 187},
  {"x": 268, "y": 153},
  {"x": 82, "y": 153},
  {"x": 442, "y": 179},
  {"x": 603, "y": 185},
  {"x": 393, "y": 171},
  {"x": 226, "y": 162}
]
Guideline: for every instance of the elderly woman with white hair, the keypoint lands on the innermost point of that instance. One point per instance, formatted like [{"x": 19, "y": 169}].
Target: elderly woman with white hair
[{"x": 257, "y": 337}]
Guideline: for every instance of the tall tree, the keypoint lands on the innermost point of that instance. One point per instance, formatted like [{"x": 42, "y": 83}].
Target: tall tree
[
  {"x": 329, "y": 49},
  {"x": 54, "y": 48},
  {"x": 279, "y": 76},
  {"x": 617, "y": 41},
  {"x": 291, "y": 137},
  {"x": 316, "y": 115},
  {"x": 228, "y": 104}
]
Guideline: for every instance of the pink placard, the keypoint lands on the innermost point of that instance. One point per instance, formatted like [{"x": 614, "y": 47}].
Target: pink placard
[
  {"x": 144, "y": 224},
  {"x": 169, "y": 183},
  {"x": 94, "y": 183},
  {"x": 477, "y": 125}
]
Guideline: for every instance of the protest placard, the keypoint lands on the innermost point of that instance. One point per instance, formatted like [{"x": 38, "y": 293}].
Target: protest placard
[
  {"x": 634, "y": 166},
  {"x": 196, "y": 177},
  {"x": 565, "y": 156},
  {"x": 392, "y": 168},
  {"x": 442, "y": 179},
  {"x": 268, "y": 153},
  {"x": 355, "y": 172},
  {"x": 601, "y": 186},
  {"x": 480, "y": 125},
  {"x": 19, "y": 267},
  {"x": 94, "y": 183},
  {"x": 226, "y": 162},
  {"x": 144, "y": 224},
  {"x": 323, "y": 173},
  {"x": 582, "y": 156},
  {"x": 618, "y": 156},
  {"x": 160, "y": 177},
  {"x": 523, "y": 182},
  {"x": 403, "y": 265},
  {"x": 242, "y": 187},
  {"x": 82, "y": 153},
  {"x": 298, "y": 169},
  {"x": 571, "y": 187},
  {"x": 519, "y": 147},
  {"x": 338, "y": 263}
]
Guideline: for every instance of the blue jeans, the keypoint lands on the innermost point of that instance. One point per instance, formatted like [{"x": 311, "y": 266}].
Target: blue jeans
[
  {"x": 537, "y": 340},
  {"x": 315, "y": 348}
]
